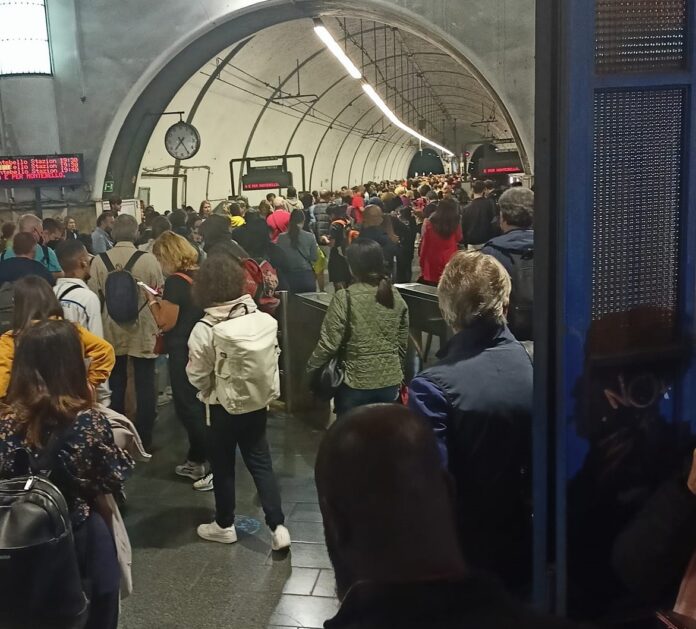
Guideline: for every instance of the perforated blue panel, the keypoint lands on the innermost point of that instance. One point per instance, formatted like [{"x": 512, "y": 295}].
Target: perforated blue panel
[
  {"x": 640, "y": 35},
  {"x": 638, "y": 152}
]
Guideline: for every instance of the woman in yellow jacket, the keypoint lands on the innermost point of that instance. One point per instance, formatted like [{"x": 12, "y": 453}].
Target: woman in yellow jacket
[{"x": 34, "y": 301}]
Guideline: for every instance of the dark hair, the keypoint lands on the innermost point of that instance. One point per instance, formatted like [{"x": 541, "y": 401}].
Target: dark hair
[
  {"x": 69, "y": 252},
  {"x": 178, "y": 218},
  {"x": 23, "y": 244},
  {"x": 292, "y": 192},
  {"x": 48, "y": 385},
  {"x": 271, "y": 195},
  {"x": 337, "y": 211},
  {"x": 102, "y": 218},
  {"x": 366, "y": 262},
  {"x": 160, "y": 225},
  {"x": 489, "y": 184},
  {"x": 235, "y": 209},
  {"x": 445, "y": 219},
  {"x": 192, "y": 220},
  {"x": 220, "y": 279},
  {"x": 215, "y": 229},
  {"x": 33, "y": 301},
  {"x": 256, "y": 238},
  {"x": 297, "y": 219},
  {"x": 8, "y": 230},
  {"x": 52, "y": 225},
  {"x": 114, "y": 198},
  {"x": 479, "y": 187},
  {"x": 86, "y": 240},
  {"x": 307, "y": 199}
]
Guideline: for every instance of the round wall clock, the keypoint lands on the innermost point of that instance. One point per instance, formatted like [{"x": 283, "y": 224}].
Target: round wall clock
[{"x": 182, "y": 140}]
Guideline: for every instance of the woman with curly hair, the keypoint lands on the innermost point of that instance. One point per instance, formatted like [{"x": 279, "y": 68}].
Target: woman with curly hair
[{"x": 215, "y": 371}]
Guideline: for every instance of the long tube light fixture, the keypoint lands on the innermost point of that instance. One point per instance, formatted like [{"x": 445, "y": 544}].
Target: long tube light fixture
[
  {"x": 334, "y": 47},
  {"x": 353, "y": 71}
]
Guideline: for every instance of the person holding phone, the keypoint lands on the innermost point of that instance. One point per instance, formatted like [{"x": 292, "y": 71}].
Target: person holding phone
[{"x": 176, "y": 315}]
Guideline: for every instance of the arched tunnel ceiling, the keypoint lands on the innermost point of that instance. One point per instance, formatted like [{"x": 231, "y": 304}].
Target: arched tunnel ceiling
[{"x": 282, "y": 92}]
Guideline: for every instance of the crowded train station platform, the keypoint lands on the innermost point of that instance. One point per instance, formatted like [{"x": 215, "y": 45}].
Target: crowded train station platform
[{"x": 356, "y": 315}]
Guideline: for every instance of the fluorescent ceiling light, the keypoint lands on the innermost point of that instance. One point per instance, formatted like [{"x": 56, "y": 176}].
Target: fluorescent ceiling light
[
  {"x": 24, "y": 47},
  {"x": 334, "y": 47},
  {"x": 376, "y": 98}
]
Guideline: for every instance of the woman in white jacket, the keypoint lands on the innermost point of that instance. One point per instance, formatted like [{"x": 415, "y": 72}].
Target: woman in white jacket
[{"x": 233, "y": 362}]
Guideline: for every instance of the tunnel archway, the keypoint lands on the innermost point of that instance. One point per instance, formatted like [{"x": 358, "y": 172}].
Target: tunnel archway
[
  {"x": 426, "y": 162},
  {"x": 121, "y": 160}
]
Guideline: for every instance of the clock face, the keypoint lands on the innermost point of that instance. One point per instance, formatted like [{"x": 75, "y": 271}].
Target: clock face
[{"x": 182, "y": 140}]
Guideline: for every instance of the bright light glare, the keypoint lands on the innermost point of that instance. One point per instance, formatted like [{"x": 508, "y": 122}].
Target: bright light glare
[
  {"x": 24, "y": 47},
  {"x": 370, "y": 91},
  {"x": 333, "y": 46}
]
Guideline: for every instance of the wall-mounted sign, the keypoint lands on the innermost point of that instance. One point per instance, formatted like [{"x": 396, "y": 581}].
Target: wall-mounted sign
[
  {"x": 266, "y": 178},
  {"x": 41, "y": 170},
  {"x": 499, "y": 163},
  {"x": 502, "y": 170}
]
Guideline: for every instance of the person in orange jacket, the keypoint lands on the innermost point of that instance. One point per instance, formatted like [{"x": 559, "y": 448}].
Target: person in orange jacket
[{"x": 34, "y": 301}]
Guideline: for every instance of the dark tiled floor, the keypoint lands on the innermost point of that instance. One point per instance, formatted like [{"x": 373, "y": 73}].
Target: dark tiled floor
[{"x": 182, "y": 582}]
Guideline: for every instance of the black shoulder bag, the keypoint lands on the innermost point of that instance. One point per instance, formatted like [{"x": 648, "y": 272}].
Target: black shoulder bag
[{"x": 327, "y": 380}]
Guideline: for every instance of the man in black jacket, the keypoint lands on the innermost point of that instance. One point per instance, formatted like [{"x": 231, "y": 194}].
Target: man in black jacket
[
  {"x": 379, "y": 482},
  {"x": 479, "y": 218}
]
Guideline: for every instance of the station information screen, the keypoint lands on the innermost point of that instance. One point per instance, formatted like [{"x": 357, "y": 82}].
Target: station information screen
[
  {"x": 41, "y": 170},
  {"x": 266, "y": 178}
]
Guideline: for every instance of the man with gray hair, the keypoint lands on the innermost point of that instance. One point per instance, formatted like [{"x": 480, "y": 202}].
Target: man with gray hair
[
  {"x": 135, "y": 340},
  {"x": 478, "y": 400},
  {"x": 514, "y": 249}
]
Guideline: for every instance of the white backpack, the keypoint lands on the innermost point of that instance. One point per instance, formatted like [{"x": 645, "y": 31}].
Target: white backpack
[{"x": 246, "y": 362}]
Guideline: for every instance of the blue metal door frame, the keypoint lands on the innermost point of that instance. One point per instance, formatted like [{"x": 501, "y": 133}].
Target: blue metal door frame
[{"x": 567, "y": 82}]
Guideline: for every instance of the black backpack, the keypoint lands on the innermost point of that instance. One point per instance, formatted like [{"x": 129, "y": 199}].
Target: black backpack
[
  {"x": 121, "y": 293},
  {"x": 6, "y": 307},
  {"x": 521, "y": 310},
  {"x": 39, "y": 570}
]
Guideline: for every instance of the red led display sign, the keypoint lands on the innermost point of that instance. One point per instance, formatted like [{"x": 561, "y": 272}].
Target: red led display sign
[
  {"x": 41, "y": 170},
  {"x": 266, "y": 178},
  {"x": 502, "y": 170},
  {"x": 266, "y": 185}
]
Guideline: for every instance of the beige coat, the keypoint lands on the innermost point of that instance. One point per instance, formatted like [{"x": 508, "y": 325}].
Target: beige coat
[{"x": 137, "y": 339}]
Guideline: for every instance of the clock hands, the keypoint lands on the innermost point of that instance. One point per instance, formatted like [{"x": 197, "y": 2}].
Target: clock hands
[{"x": 181, "y": 143}]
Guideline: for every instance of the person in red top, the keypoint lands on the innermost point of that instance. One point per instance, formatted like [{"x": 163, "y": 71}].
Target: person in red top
[
  {"x": 441, "y": 235},
  {"x": 278, "y": 220},
  {"x": 358, "y": 204}
]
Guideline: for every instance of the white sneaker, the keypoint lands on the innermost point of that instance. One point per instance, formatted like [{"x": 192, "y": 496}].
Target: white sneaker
[
  {"x": 205, "y": 483},
  {"x": 280, "y": 538},
  {"x": 194, "y": 471},
  {"x": 213, "y": 532}
]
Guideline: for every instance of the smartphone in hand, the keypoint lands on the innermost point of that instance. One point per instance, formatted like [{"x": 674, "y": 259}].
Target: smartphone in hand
[{"x": 152, "y": 291}]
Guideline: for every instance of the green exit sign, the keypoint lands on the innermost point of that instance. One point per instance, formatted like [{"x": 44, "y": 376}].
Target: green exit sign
[{"x": 108, "y": 186}]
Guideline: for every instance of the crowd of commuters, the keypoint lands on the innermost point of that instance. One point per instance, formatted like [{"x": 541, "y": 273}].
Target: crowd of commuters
[{"x": 198, "y": 287}]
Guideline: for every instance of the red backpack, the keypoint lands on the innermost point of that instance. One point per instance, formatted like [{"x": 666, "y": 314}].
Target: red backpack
[{"x": 261, "y": 282}]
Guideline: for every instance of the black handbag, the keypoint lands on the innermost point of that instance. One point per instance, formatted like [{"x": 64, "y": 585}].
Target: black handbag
[{"x": 327, "y": 380}]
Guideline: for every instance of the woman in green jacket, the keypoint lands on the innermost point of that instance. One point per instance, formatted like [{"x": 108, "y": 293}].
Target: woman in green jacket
[{"x": 370, "y": 318}]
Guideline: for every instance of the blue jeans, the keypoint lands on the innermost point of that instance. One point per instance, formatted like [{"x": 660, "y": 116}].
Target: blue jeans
[{"x": 348, "y": 398}]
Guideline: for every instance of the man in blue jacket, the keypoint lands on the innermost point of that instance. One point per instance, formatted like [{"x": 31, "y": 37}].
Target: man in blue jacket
[
  {"x": 517, "y": 226},
  {"x": 478, "y": 400}
]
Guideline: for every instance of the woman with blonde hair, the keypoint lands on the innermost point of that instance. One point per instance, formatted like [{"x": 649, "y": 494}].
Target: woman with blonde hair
[{"x": 176, "y": 314}]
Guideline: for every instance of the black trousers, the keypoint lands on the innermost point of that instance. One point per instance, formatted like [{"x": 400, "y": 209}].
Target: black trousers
[
  {"x": 189, "y": 410},
  {"x": 248, "y": 431},
  {"x": 145, "y": 393}
]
